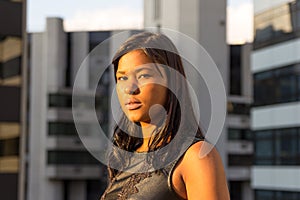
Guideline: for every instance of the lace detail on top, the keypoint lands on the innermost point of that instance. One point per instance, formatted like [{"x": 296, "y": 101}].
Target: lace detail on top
[
  {"x": 155, "y": 185},
  {"x": 129, "y": 187}
]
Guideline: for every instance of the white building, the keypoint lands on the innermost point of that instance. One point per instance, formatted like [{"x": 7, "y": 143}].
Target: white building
[
  {"x": 59, "y": 167},
  {"x": 276, "y": 113}
]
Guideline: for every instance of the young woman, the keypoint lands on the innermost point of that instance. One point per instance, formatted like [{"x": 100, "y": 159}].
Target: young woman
[{"x": 158, "y": 122}]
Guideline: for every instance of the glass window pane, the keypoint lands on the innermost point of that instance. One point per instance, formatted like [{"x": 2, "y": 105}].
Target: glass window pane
[
  {"x": 283, "y": 195},
  {"x": 286, "y": 146},
  {"x": 71, "y": 157},
  {"x": 9, "y": 147},
  {"x": 264, "y": 195},
  {"x": 298, "y": 90},
  {"x": 233, "y": 134},
  {"x": 264, "y": 148},
  {"x": 287, "y": 88}
]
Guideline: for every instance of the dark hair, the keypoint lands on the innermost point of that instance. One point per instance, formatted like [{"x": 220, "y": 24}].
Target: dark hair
[{"x": 160, "y": 49}]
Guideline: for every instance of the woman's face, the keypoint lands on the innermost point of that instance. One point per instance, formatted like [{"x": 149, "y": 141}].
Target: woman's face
[{"x": 140, "y": 85}]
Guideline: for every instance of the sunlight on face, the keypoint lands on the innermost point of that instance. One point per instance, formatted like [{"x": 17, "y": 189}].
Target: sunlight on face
[{"x": 140, "y": 85}]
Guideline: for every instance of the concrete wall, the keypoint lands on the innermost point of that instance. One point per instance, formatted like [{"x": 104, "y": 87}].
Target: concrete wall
[
  {"x": 276, "y": 116},
  {"x": 80, "y": 48},
  {"x": 275, "y": 56},
  {"x": 284, "y": 178},
  {"x": 37, "y": 117},
  {"x": 55, "y": 52}
]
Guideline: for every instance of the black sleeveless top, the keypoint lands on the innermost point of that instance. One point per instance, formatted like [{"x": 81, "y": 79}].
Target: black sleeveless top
[{"x": 156, "y": 185}]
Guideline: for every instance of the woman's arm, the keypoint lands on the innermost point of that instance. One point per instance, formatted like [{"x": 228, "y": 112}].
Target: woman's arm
[{"x": 204, "y": 178}]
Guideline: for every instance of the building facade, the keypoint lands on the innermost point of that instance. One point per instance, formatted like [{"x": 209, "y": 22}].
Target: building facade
[
  {"x": 59, "y": 166},
  {"x": 276, "y": 110},
  {"x": 13, "y": 98},
  {"x": 240, "y": 146}
]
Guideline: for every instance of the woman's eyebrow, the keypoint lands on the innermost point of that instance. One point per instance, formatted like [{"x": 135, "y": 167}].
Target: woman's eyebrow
[
  {"x": 150, "y": 68},
  {"x": 120, "y": 72},
  {"x": 142, "y": 68},
  {"x": 136, "y": 70}
]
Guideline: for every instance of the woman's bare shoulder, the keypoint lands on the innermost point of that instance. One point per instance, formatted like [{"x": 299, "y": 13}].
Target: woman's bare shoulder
[
  {"x": 203, "y": 173},
  {"x": 202, "y": 151}
]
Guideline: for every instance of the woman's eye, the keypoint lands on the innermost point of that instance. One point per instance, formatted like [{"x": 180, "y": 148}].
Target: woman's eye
[
  {"x": 144, "y": 76},
  {"x": 122, "y": 78}
]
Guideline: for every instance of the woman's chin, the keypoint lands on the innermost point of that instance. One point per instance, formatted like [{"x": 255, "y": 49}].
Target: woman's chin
[{"x": 137, "y": 119}]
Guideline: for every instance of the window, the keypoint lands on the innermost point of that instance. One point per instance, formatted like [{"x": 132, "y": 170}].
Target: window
[
  {"x": 60, "y": 100},
  {"x": 65, "y": 101},
  {"x": 238, "y": 108},
  {"x": 264, "y": 195},
  {"x": 69, "y": 129},
  {"x": 61, "y": 128},
  {"x": 239, "y": 134},
  {"x": 286, "y": 146},
  {"x": 277, "y": 86},
  {"x": 235, "y": 69},
  {"x": 10, "y": 68},
  {"x": 277, "y": 147},
  {"x": 298, "y": 88},
  {"x": 276, "y": 195},
  {"x": 287, "y": 90},
  {"x": 71, "y": 158},
  {"x": 9, "y": 147},
  {"x": 95, "y": 38},
  {"x": 235, "y": 188},
  {"x": 10, "y": 104},
  {"x": 283, "y": 195},
  {"x": 240, "y": 160}
]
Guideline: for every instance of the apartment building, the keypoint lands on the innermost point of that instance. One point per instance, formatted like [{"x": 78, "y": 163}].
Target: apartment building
[
  {"x": 59, "y": 166},
  {"x": 240, "y": 148},
  {"x": 276, "y": 111},
  {"x": 13, "y": 98}
]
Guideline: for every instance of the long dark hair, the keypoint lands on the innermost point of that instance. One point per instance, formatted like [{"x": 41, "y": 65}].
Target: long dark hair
[{"x": 160, "y": 49}]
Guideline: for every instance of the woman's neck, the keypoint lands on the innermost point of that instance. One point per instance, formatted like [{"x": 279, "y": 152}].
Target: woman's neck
[{"x": 147, "y": 131}]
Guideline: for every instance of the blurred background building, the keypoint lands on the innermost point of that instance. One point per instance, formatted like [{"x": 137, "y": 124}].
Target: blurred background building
[
  {"x": 276, "y": 110},
  {"x": 59, "y": 166},
  {"x": 41, "y": 154},
  {"x": 240, "y": 148},
  {"x": 12, "y": 97}
]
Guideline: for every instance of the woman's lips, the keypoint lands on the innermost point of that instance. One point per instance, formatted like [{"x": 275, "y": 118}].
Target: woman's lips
[{"x": 133, "y": 104}]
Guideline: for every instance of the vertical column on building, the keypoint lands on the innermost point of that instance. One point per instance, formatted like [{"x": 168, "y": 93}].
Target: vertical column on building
[
  {"x": 48, "y": 65},
  {"x": 212, "y": 36},
  {"x": 55, "y": 53},
  {"x": 79, "y": 51}
]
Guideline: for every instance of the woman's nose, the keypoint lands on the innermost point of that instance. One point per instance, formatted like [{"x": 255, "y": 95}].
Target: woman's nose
[{"x": 131, "y": 89}]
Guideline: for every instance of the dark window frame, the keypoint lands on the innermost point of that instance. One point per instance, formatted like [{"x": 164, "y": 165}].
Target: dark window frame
[
  {"x": 275, "y": 158},
  {"x": 268, "y": 89}
]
